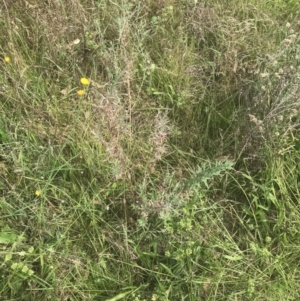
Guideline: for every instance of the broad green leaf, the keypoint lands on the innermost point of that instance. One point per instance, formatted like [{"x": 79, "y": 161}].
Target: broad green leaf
[{"x": 7, "y": 237}]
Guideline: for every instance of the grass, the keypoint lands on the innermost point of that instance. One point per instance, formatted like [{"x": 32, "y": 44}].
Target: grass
[{"x": 172, "y": 174}]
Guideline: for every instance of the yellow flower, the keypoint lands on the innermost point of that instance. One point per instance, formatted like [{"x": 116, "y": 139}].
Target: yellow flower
[
  {"x": 37, "y": 192},
  {"x": 6, "y": 59},
  {"x": 85, "y": 81},
  {"x": 80, "y": 92},
  {"x": 154, "y": 297}
]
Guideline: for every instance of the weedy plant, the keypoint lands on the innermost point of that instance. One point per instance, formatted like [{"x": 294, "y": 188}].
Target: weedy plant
[{"x": 149, "y": 150}]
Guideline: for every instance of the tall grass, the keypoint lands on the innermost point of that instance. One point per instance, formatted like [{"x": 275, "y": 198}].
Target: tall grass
[{"x": 170, "y": 172}]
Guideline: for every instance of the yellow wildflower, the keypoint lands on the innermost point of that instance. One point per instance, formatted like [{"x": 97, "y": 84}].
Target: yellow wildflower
[
  {"x": 85, "y": 81},
  {"x": 37, "y": 192},
  {"x": 6, "y": 59},
  {"x": 80, "y": 92},
  {"x": 154, "y": 297}
]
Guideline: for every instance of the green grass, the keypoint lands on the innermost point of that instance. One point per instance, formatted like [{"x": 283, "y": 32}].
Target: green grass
[{"x": 175, "y": 175}]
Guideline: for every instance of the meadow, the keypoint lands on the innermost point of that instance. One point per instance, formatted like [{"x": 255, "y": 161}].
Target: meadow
[{"x": 149, "y": 150}]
